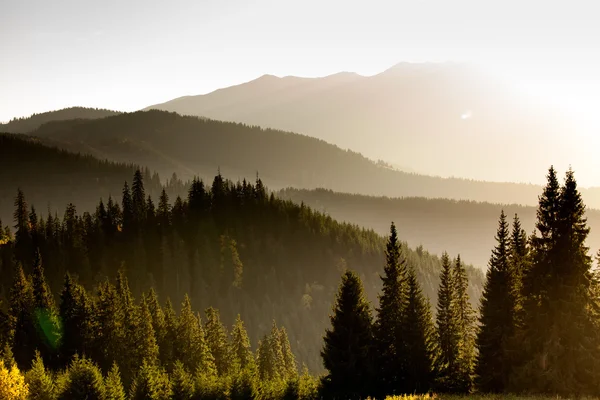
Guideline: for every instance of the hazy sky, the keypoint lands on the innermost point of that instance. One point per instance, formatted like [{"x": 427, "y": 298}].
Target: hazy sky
[{"x": 125, "y": 55}]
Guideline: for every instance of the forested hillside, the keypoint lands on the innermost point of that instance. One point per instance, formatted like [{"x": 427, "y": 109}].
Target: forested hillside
[
  {"x": 53, "y": 178},
  {"x": 439, "y": 225},
  {"x": 167, "y": 142},
  {"x": 31, "y": 123},
  {"x": 536, "y": 331},
  {"x": 228, "y": 245}
]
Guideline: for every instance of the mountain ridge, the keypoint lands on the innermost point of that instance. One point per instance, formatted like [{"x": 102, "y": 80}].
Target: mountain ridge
[
  {"x": 411, "y": 114},
  {"x": 284, "y": 159},
  {"x": 34, "y": 121}
]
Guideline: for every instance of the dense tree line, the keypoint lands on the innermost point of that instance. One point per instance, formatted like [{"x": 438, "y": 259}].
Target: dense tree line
[
  {"x": 538, "y": 325},
  {"x": 31, "y": 123},
  {"x": 537, "y": 329},
  {"x": 229, "y": 245},
  {"x": 52, "y": 178}
]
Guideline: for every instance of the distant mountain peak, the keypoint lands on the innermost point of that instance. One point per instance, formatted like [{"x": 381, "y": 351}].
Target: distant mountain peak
[{"x": 267, "y": 77}]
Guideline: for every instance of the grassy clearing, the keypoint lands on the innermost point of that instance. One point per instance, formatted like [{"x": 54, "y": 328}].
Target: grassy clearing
[{"x": 481, "y": 397}]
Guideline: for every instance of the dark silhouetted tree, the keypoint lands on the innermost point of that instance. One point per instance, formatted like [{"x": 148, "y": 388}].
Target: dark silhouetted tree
[
  {"x": 498, "y": 316},
  {"x": 347, "y": 353}
]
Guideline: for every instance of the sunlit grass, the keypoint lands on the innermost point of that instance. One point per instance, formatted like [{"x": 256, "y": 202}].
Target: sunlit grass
[{"x": 480, "y": 397}]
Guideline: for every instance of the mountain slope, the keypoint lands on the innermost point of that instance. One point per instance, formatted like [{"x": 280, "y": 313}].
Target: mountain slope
[
  {"x": 437, "y": 224},
  {"x": 28, "y": 124},
  {"x": 438, "y": 119},
  {"x": 52, "y": 178},
  {"x": 168, "y": 142}
]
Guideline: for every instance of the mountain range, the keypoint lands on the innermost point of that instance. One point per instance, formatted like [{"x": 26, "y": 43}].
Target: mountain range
[{"x": 437, "y": 119}]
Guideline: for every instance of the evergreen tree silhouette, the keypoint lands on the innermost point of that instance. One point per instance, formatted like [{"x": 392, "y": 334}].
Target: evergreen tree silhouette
[{"x": 347, "y": 352}]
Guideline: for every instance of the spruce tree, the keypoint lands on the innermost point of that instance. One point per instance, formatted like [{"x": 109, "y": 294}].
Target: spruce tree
[
  {"x": 446, "y": 329},
  {"x": 84, "y": 381},
  {"x": 518, "y": 256},
  {"x": 39, "y": 380},
  {"x": 34, "y": 228},
  {"x": 77, "y": 316},
  {"x": 46, "y": 320},
  {"x": 128, "y": 210},
  {"x": 390, "y": 345},
  {"x": 131, "y": 353},
  {"x": 164, "y": 211},
  {"x": 23, "y": 246},
  {"x": 419, "y": 335},
  {"x": 217, "y": 340},
  {"x": 43, "y": 299},
  {"x": 347, "y": 352},
  {"x": 145, "y": 339},
  {"x": 191, "y": 345},
  {"x": 289, "y": 360},
  {"x": 552, "y": 247},
  {"x": 265, "y": 362},
  {"x": 207, "y": 361},
  {"x": 22, "y": 316},
  {"x": 167, "y": 347},
  {"x": 498, "y": 314},
  {"x": 243, "y": 385},
  {"x": 157, "y": 315},
  {"x": 138, "y": 199},
  {"x": 277, "y": 351},
  {"x": 150, "y": 383},
  {"x": 570, "y": 349},
  {"x": 182, "y": 383},
  {"x": 12, "y": 383},
  {"x": 110, "y": 319},
  {"x": 465, "y": 324},
  {"x": 240, "y": 346},
  {"x": 113, "y": 384}
]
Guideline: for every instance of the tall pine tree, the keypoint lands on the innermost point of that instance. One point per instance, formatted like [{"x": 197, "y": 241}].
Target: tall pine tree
[
  {"x": 465, "y": 325},
  {"x": 78, "y": 321},
  {"x": 218, "y": 341},
  {"x": 22, "y": 316},
  {"x": 347, "y": 353},
  {"x": 497, "y": 319},
  {"x": 240, "y": 346},
  {"x": 538, "y": 329},
  {"x": 419, "y": 335},
  {"x": 446, "y": 330},
  {"x": 390, "y": 345},
  {"x": 191, "y": 347}
]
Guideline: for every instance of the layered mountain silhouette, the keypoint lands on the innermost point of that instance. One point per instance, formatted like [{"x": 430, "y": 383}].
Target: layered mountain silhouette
[
  {"x": 464, "y": 227},
  {"x": 31, "y": 123},
  {"x": 52, "y": 178},
  {"x": 168, "y": 142},
  {"x": 190, "y": 146},
  {"x": 436, "y": 119}
]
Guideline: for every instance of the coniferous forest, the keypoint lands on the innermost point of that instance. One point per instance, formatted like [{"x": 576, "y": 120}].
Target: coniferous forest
[{"x": 225, "y": 295}]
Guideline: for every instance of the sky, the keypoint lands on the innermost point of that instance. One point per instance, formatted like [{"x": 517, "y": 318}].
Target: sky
[{"x": 125, "y": 55}]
